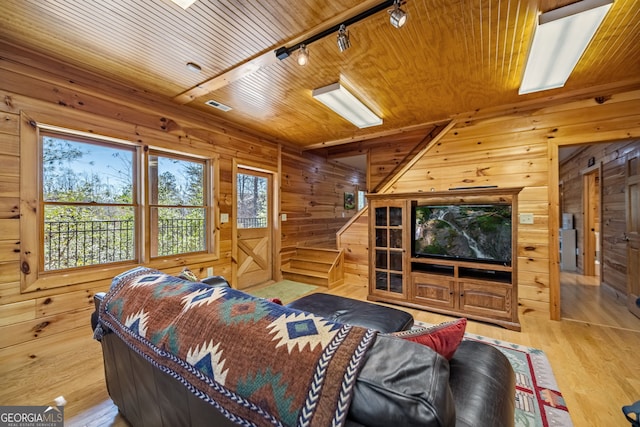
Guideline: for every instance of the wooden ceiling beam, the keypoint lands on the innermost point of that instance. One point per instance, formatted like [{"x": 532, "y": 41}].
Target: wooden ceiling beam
[
  {"x": 265, "y": 59},
  {"x": 381, "y": 134}
]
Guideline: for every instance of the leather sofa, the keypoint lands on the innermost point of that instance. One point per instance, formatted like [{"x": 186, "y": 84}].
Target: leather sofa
[{"x": 401, "y": 383}]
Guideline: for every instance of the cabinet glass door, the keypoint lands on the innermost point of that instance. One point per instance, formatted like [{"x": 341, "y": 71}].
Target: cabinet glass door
[{"x": 389, "y": 249}]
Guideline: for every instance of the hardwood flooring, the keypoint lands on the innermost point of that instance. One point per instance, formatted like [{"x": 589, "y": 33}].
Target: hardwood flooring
[
  {"x": 584, "y": 300},
  {"x": 597, "y": 367}
]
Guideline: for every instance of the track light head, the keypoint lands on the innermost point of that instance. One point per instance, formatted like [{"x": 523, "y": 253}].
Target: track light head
[
  {"x": 343, "y": 38},
  {"x": 303, "y": 56},
  {"x": 397, "y": 16}
]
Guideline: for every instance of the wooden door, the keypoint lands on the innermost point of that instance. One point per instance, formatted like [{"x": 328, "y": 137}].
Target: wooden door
[
  {"x": 591, "y": 229},
  {"x": 632, "y": 235},
  {"x": 254, "y": 228}
]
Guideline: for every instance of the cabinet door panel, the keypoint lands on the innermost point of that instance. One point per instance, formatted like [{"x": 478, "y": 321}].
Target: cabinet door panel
[
  {"x": 486, "y": 299},
  {"x": 434, "y": 290}
]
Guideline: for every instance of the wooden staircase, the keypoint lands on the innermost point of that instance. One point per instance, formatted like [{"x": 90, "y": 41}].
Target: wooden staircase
[{"x": 317, "y": 266}]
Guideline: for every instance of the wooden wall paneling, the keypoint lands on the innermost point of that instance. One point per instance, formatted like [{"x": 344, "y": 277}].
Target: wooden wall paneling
[
  {"x": 20, "y": 332},
  {"x": 50, "y": 351},
  {"x": 556, "y": 117},
  {"x": 355, "y": 242},
  {"x": 8, "y": 165},
  {"x": 9, "y": 250},
  {"x": 383, "y": 159},
  {"x": 17, "y": 312},
  {"x": 479, "y": 175},
  {"x": 9, "y": 207},
  {"x": 9, "y": 144},
  {"x": 10, "y": 186},
  {"x": 65, "y": 302},
  {"x": 10, "y": 229},
  {"x": 9, "y": 124},
  {"x": 9, "y": 272},
  {"x": 456, "y": 150},
  {"x": 312, "y": 197}
]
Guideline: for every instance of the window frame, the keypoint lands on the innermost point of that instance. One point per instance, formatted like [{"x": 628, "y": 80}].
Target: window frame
[
  {"x": 135, "y": 203},
  {"x": 33, "y": 277},
  {"x": 206, "y": 200}
]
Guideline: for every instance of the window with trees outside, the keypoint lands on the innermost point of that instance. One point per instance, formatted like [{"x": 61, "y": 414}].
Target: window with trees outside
[
  {"x": 91, "y": 212},
  {"x": 88, "y": 203},
  {"x": 177, "y": 207}
]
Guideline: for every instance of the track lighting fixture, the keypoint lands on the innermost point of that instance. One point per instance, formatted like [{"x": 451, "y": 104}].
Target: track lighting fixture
[
  {"x": 343, "y": 38},
  {"x": 397, "y": 16},
  {"x": 303, "y": 56}
]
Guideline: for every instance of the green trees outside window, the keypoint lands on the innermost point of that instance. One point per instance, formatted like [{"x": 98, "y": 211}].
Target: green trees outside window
[{"x": 91, "y": 208}]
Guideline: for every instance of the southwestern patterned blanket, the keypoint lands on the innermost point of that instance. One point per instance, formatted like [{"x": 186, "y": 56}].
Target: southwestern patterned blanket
[{"x": 259, "y": 363}]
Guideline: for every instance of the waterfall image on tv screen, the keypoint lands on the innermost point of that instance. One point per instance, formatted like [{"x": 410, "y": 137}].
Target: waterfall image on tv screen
[{"x": 468, "y": 232}]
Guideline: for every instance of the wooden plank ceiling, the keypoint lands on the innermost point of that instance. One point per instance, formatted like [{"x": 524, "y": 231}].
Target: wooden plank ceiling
[{"x": 452, "y": 56}]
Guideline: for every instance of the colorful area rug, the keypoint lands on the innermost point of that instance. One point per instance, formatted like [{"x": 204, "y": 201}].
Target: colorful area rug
[
  {"x": 539, "y": 403},
  {"x": 286, "y": 291}
]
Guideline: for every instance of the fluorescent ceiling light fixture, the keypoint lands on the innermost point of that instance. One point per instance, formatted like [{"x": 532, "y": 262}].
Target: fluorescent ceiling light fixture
[
  {"x": 345, "y": 104},
  {"x": 184, "y": 3},
  {"x": 218, "y": 105},
  {"x": 560, "y": 39}
]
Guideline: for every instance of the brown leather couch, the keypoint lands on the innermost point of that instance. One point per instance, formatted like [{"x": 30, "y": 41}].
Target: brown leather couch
[{"x": 400, "y": 384}]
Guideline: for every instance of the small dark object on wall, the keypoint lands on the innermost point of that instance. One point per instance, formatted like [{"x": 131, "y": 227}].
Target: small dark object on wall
[
  {"x": 349, "y": 201},
  {"x": 591, "y": 162}
]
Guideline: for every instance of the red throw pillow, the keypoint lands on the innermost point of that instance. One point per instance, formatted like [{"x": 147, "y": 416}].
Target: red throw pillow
[{"x": 443, "y": 338}]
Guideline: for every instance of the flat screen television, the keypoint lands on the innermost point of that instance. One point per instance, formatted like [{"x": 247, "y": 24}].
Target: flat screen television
[{"x": 467, "y": 232}]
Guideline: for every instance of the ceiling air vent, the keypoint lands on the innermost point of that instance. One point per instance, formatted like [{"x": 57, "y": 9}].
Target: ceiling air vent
[{"x": 218, "y": 105}]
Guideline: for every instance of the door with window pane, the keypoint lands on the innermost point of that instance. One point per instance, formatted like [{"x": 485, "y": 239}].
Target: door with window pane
[{"x": 253, "y": 228}]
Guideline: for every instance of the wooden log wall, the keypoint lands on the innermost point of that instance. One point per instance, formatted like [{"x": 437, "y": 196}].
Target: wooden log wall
[
  {"x": 515, "y": 148},
  {"x": 36, "y": 87},
  {"x": 313, "y": 200},
  {"x": 354, "y": 239},
  {"x": 612, "y": 156},
  {"x": 384, "y": 154}
]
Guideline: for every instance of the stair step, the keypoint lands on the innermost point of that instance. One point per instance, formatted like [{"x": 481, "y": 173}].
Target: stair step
[
  {"x": 311, "y": 258},
  {"x": 318, "y": 266},
  {"x": 305, "y": 272},
  {"x": 304, "y": 278},
  {"x": 309, "y": 264},
  {"x": 325, "y": 255}
]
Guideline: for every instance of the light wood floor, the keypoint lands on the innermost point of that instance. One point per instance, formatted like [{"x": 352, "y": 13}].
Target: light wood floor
[
  {"x": 597, "y": 368},
  {"x": 584, "y": 300}
]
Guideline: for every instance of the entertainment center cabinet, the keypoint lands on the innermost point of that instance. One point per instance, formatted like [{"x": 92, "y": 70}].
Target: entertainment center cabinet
[{"x": 482, "y": 289}]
